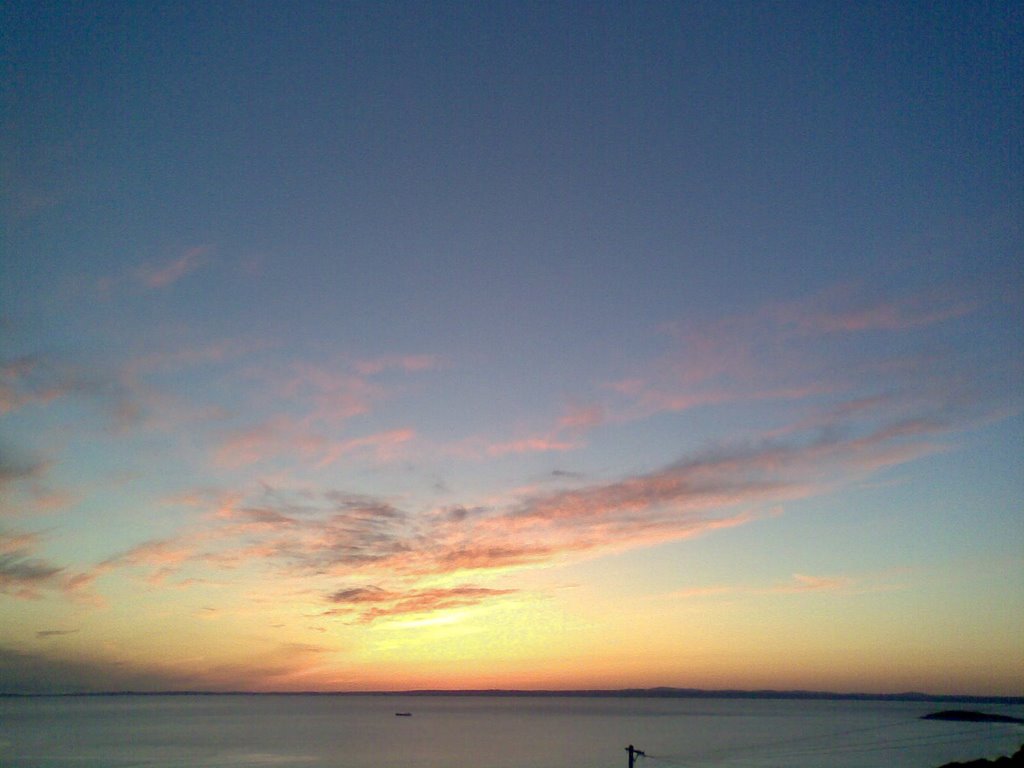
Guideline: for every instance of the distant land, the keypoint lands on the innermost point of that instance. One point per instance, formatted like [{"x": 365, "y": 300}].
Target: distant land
[
  {"x": 967, "y": 716},
  {"x": 622, "y": 693},
  {"x": 1015, "y": 761}
]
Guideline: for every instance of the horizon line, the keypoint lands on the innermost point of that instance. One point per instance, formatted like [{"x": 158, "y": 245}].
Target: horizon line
[{"x": 664, "y": 692}]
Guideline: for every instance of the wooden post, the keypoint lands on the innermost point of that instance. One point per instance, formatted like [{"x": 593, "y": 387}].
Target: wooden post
[{"x": 633, "y": 755}]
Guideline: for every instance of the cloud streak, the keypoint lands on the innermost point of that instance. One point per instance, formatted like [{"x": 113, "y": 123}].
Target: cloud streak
[
  {"x": 842, "y": 310},
  {"x": 169, "y": 273},
  {"x": 282, "y": 437},
  {"x": 37, "y": 380},
  {"x": 404, "y": 363},
  {"x": 798, "y": 584},
  {"x": 567, "y": 434},
  {"x": 785, "y": 353},
  {"x": 719, "y": 489},
  {"x": 388, "y": 554},
  {"x": 46, "y": 634},
  {"x": 367, "y": 604},
  {"x": 26, "y": 576}
]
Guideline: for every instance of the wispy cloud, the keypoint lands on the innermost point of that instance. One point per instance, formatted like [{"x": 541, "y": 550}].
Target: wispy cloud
[
  {"x": 332, "y": 395},
  {"x": 253, "y": 444},
  {"x": 49, "y": 380},
  {"x": 187, "y": 356},
  {"x": 37, "y": 380},
  {"x": 844, "y": 309},
  {"x": 528, "y": 445},
  {"x": 25, "y": 575},
  {"x": 853, "y": 422},
  {"x": 333, "y": 533},
  {"x": 566, "y": 474},
  {"x": 320, "y": 534},
  {"x": 722, "y": 488},
  {"x": 284, "y": 436},
  {"x": 160, "y": 558},
  {"x": 367, "y": 604},
  {"x": 804, "y": 583},
  {"x": 168, "y": 273},
  {"x": 797, "y": 584},
  {"x": 382, "y": 446},
  {"x": 567, "y": 434},
  {"x": 811, "y": 356},
  {"x": 312, "y": 405},
  {"x": 491, "y": 556},
  {"x": 16, "y": 466},
  {"x": 581, "y": 418},
  {"x": 405, "y": 363},
  {"x": 45, "y": 634}
]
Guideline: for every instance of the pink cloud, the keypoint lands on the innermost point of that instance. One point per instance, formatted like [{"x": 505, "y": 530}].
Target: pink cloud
[
  {"x": 157, "y": 552},
  {"x": 582, "y": 418},
  {"x": 34, "y": 380},
  {"x": 473, "y": 557},
  {"x": 708, "y": 493},
  {"x": 650, "y": 398},
  {"x": 703, "y": 592},
  {"x": 333, "y": 397},
  {"x": 11, "y": 542},
  {"x": 778, "y": 353},
  {"x": 719, "y": 490},
  {"x": 733, "y": 360},
  {"x": 29, "y": 577},
  {"x": 46, "y": 500},
  {"x": 565, "y": 435},
  {"x": 249, "y": 446},
  {"x": 173, "y": 271},
  {"x": 283, "y": 436},
  {"x": 383, "y": 446},
  {"x": 355, "y": 536},
  {"x": 372, "y": 542},
  {"x": 843, "y": 310},
  {"x": 407, "y": 363},
  {"x": 367, "y": 604},
  {"x": 886, "y": 317},
  {"x": 798, "y": 584},
  {"x": 804, "y": 583},
  {"x": 529, "y": 445},
  {"x": 313, "y": 403},
  {"x": 185, "y": 357}
]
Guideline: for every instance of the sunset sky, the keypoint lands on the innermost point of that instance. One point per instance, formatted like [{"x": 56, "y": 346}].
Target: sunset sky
[{"x": 357, "y": 346}]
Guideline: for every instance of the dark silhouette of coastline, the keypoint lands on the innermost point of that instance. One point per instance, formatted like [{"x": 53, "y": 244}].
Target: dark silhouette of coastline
[
  {"x": 1014, "y": 761},
  {"x": 968, "y": 716},
  {"x": 623, "y": 693}
]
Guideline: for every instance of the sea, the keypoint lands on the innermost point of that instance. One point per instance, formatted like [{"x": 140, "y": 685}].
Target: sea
[{"x": 363, "y": 731}]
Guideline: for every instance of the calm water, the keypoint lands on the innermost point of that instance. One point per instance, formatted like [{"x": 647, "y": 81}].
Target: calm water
[{"x": 474, "y": 732}]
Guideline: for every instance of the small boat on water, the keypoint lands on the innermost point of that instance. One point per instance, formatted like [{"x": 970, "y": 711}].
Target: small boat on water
[{"x": 403, "y": 714}]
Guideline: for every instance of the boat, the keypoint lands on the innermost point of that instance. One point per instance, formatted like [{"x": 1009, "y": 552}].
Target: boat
[{"x": 403, "y": 714}]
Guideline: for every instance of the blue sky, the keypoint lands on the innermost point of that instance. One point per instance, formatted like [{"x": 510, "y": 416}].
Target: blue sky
[{"x": 374, "y": 338}]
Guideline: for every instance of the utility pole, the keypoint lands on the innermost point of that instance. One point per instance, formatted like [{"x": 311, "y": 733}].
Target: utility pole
[{"x": 633, "y": 755}]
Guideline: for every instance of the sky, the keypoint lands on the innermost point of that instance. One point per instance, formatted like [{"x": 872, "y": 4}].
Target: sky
[{"x": 386, "y": 346}]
